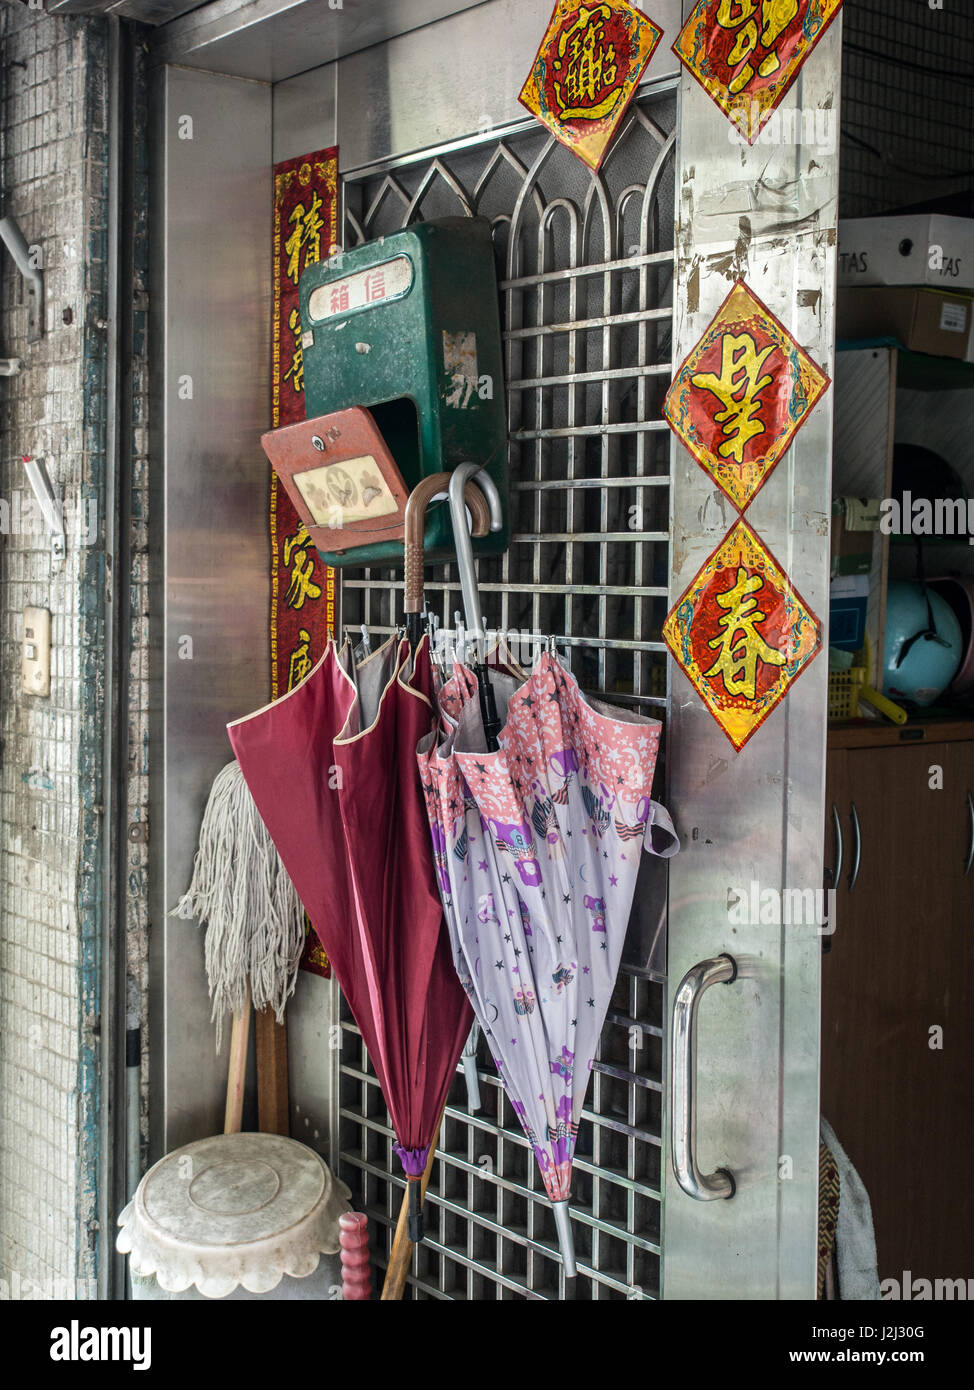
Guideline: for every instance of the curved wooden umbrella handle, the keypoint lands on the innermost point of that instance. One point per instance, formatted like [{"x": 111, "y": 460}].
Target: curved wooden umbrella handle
[{"x": 419, "y": 500}]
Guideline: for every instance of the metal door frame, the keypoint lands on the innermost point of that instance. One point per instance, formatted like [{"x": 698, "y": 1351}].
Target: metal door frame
[{"x": 768, "y": 210}]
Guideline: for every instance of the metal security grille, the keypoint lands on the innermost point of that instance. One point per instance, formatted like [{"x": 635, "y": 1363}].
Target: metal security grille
[{"x": 586, "y": 269}]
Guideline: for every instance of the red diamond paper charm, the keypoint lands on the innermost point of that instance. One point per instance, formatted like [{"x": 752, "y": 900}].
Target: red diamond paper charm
[
  {"x": 742, "y": 394},
  {"x": 746, "y": 53},
  {"x": 586, "y": 71},
  {"x": 742, "y": 634}
]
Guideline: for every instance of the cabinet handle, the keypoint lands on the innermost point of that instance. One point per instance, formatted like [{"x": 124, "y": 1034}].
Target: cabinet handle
[
  {"x": 857, "y": 850},
  {"x": 970, "y": 849},
  {"x": 836, "y": 872},
  {"x": 705, "y": 1187}
]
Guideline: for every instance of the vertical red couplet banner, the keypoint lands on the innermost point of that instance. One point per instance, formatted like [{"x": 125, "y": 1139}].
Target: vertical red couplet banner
[{"x": 303, "y": 588}]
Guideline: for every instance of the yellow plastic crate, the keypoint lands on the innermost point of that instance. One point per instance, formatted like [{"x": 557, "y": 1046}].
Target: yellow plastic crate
[{"x": 844, "y": 688}]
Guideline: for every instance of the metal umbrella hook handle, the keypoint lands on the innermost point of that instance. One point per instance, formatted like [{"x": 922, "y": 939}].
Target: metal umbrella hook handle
[
  {"x": 468, "y": 584},
  {"x": 482, "y": 512},
  {"x": 459, "y": 478}
]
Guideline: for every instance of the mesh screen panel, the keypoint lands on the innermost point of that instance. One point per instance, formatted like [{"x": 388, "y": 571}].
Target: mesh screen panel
[{"x": 907, "y": 104}]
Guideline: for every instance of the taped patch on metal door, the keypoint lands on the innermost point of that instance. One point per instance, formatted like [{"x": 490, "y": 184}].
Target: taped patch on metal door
[
  {"x": 742, "y": 634},
  {"x": 746, "y": 53},
  {"x": 742, "y": 394}
]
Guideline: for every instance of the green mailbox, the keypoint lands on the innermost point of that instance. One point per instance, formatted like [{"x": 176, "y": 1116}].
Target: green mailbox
[{"x": 408, "y": 327}]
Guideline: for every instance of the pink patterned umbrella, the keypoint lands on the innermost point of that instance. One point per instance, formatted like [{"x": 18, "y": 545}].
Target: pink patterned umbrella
[{"x": 537, "y": 848}]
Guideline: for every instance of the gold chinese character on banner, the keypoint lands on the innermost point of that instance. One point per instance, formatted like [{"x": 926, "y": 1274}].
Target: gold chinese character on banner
[
  {"x": 301, "y": 567},
  {"x": 738, "y": 387},
  {"x": 588, "y": 67},
  {"x": 742, "y": 16},
  {"x": 300, "y": 662},
  {"x": 295, "y": 372},
  {"x": 737, "y": 401},
  {"x": 746, "y": 53},
  {"x": 306, "y": 224}
]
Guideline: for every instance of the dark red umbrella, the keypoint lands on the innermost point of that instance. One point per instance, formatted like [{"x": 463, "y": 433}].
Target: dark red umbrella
[
  {"x": 418, "y": 1008},
  {"x": 345, "y": 809},
  {"x": 335, "y": 781}
]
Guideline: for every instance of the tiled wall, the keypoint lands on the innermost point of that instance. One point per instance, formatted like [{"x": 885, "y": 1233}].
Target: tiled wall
[
  {"x": 135, "y": 624},
  {"x": 50, "y": 773}
]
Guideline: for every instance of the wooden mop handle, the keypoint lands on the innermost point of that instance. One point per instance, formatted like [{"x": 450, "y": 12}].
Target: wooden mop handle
[{"x": 237, "y": 1070}]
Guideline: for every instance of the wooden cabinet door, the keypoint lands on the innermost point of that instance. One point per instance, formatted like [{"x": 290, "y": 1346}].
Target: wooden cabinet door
[
  {"x": 837, "y": 836},
  {"x": 956, "y": 1005},
  {"x": 888, "y": 1090}
]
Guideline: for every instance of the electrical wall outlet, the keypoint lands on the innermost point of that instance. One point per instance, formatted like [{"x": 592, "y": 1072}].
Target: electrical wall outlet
[{"x": 36, "y": 661}]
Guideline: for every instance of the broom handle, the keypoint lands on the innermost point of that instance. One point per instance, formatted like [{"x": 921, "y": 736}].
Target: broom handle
[
  {"x": 272, "y": 1093},
  {"x": 237, "y": 1071},
  {"x": 402, "y": 1247}
]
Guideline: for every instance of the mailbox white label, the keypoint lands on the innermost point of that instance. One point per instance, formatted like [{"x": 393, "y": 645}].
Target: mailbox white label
[
  {"x": 353, "y": 490},
  {"x": 363, "y": 290}
]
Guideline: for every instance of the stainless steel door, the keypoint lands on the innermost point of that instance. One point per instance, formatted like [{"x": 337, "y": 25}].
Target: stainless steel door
[{"x": 766, "y": 212}]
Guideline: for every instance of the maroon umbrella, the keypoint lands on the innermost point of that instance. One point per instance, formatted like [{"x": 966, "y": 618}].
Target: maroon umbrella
[
  {"x": 331, "y": 767},
  {"x": 345, "y": 809},
  {"x": 420, "y": 1012}
]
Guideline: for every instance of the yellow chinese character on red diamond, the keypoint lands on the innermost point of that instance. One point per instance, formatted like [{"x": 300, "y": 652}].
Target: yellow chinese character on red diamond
[
  {"x": 741, "y": 646},
  {"x": 306, "y": 236},
  {"x": 589, "y": 69},
  {"x": 741, "y": 15},
  {"x": 738, "y": 389},
  {"x": 778, "y": 14},
  {"x": 586, "y": 71},
  {"x": 302, "y": 567}
]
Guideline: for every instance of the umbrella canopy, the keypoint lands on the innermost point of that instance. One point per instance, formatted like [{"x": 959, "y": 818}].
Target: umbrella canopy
[
  {"x": 537, "y": 848},
  {"x": 331, "y": 768}
]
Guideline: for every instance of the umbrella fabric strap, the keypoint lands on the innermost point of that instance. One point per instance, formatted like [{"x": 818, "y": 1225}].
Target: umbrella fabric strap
[
  {"x": 413, "y": 1160},
  {"x": 414, "y": 1165},
  {"x": 415, "y": 1188}
]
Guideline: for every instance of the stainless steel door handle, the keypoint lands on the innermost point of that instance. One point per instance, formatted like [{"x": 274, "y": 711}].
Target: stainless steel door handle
[
  {"x": 705, "y": 1187},
  {"x": 970, "y": 848},
  {"x": 838, "y": 847},
  {"x": 857, "y": 851}
]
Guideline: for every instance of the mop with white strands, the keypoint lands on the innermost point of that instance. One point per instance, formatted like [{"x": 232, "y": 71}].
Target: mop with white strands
[{"x": 253, "y": 918}]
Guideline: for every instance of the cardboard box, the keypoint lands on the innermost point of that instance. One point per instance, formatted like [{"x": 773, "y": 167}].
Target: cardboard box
[
  {"x": 923, "y": 249},
  {"x": 921, "y": 320}
]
